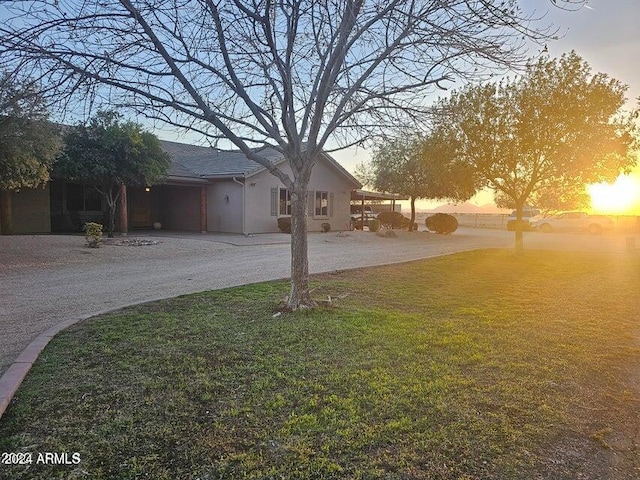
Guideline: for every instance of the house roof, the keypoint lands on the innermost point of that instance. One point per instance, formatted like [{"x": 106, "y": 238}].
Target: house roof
[
  {"x": 365, "y": 195},
  {"x": 206, "y": 162},
  {"x": 197, "y": 162}
]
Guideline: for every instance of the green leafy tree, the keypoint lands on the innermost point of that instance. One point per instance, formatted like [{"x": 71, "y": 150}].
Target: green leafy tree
[
  {"x": 29, "y": 143},
  {"x": 108, "y": 153},
  {"x": 415, "y": 166},
  {"x": 540, "y": 138}
]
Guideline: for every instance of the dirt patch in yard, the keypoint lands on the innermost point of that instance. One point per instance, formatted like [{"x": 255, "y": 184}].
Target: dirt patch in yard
[
  {"x": 37, "y": 251},
  {"x": 25, "y": 252}
]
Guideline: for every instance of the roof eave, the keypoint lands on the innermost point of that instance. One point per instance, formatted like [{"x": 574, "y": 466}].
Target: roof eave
[
  {"x": 225, "y": 176},
  {"x": 180, "y": 179},
  {"x": 262, "y": 168}
]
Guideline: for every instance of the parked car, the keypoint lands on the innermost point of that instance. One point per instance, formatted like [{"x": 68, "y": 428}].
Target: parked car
[
  {"x": 527, "y": 215},
  {"x": 357, "y": 220},
  {"x": 574, "y": 222}
]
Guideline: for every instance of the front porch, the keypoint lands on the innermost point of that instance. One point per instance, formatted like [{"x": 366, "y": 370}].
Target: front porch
[{"x": 169, "y": 206}]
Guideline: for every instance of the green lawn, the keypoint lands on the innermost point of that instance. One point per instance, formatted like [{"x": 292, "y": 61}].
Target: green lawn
[{"x": 479, "y": 365}]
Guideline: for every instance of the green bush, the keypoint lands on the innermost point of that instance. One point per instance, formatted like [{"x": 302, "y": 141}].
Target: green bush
[
  {"x": 93, "y": 234},
  {"x": 326, "y": 227},
  {"x": 284, "y": 224},
  {"x": 441, "y": 223},
  {"x": 374, "y": 225},
  {"x": 393, "y": 220}
]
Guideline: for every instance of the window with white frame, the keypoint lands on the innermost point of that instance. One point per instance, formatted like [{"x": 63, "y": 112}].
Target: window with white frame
[
  {"x": 285, "y": 202},
  {"x": 322, "y": 204}
]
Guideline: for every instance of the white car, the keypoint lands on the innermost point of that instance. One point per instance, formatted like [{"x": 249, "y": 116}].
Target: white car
[
  {"x": 357, "y": 216},
  {"x": 573, "y": 222}
]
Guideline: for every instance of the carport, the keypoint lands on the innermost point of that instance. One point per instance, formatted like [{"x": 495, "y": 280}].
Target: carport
[{"x": 364, "y": 195}]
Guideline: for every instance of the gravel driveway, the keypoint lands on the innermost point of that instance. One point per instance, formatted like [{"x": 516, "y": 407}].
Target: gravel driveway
[
  {"x": 50, "y": 278},
  {"x": 47, "y": 279}
]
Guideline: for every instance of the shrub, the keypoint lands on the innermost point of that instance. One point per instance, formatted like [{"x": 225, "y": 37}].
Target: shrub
[
  {"x": 284, "y": 224},
  {"x": 374, "y": 225},
  {"x": 326, "y": 227},
  {"x": 93, "y": 234},
  {"x": 393, "y": 220},
  {"x": 441, "y": 223}
]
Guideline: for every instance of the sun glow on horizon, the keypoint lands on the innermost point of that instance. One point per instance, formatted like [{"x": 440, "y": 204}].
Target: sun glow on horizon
[{"x": 621, "y": 197}]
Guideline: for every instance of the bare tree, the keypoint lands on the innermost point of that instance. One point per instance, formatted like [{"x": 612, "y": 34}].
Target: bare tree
[{"x": 302, "y": 75}]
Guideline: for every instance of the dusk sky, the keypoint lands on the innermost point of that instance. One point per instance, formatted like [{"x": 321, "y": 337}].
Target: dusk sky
[{"x": 605, "y": 33}]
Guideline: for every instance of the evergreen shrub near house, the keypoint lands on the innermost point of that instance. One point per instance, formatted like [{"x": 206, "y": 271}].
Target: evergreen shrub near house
[
  {"x": 441, "y": 223},
  {"x": 284, "y": 224},
  {"x": 393, "y": 220},
  {"x": 374, "y": 225},
  {"x": 93, "y": 234},
  {"x": 326, "y": 227}
]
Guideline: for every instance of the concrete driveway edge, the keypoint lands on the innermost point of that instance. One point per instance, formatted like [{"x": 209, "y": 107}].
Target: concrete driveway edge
[{"x": 15, "y": 375}]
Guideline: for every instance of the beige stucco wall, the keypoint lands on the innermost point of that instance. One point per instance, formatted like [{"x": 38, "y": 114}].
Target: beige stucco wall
[
  {"x": 31, "y": 211},
  {"x": 224, "y": 207},
  {"x": 324, "y": 177}
]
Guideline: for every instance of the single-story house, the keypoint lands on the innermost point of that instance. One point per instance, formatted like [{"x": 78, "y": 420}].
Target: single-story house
[{"x": 206, "y": 190}]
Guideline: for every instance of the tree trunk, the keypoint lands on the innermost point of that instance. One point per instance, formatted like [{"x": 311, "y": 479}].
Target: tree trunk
[
  {"x": 111, "y": 205},
  {"x": 518, "y": 231},
  {"x": 413, "y": 213},
  {"x": 299, "y": 296},
  {"x": 6, "y": 217},
  {"x": 112, "y": 195}
]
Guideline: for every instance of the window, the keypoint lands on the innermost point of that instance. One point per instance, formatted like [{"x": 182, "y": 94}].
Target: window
[
  {"x": 319, "y": 203},
  {"x": 322, "y": 204},
  {"x": 285, "y": 202}
]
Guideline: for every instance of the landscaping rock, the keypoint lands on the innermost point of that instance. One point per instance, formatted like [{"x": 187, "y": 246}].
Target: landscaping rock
[{"x": 132, "y": 242}]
